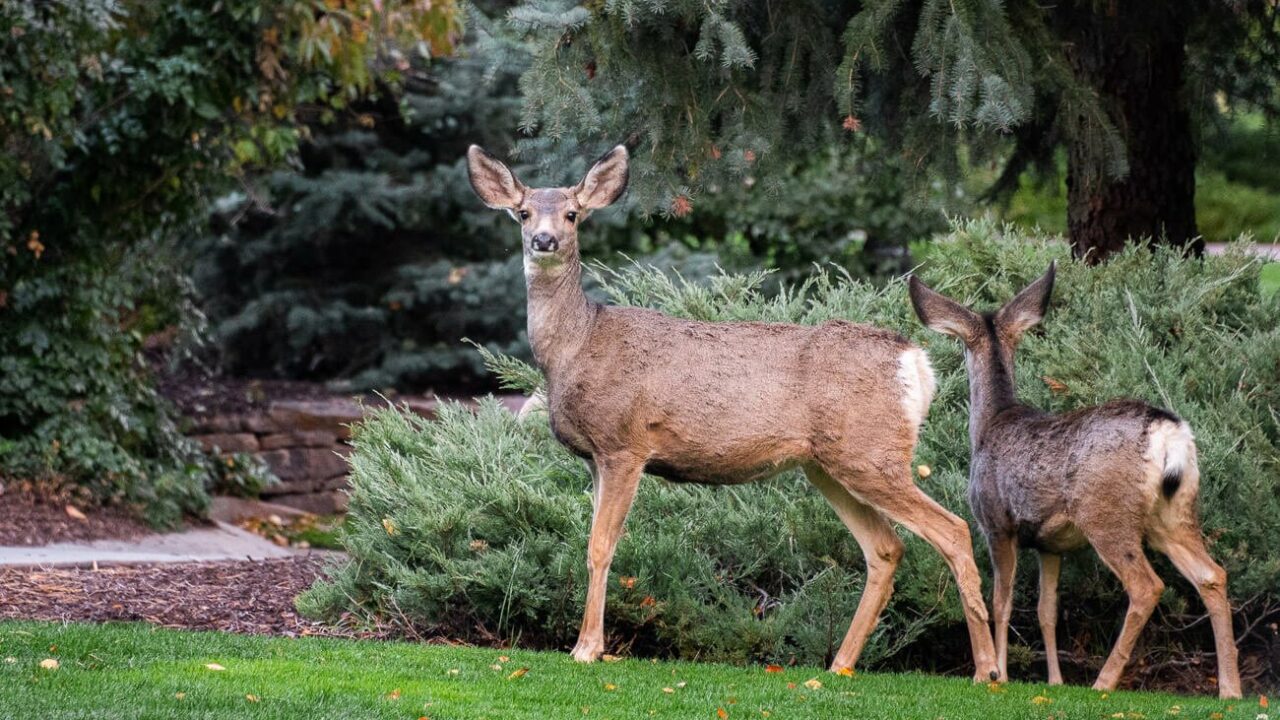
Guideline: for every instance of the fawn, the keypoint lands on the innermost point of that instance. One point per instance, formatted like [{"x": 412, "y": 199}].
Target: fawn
[
  {"x": 1111, "y": 476},
  {"x": 631, "y": 389}
]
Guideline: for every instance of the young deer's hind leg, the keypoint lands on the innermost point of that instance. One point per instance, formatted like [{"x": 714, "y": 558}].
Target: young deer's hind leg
[
  {"x": 902, "y": 502},
  {"x": 615, "y": 482},
  {"x": 1143, "y": 586},
  {"x": 882, "y": 550},
  {"x": 1047, "y": 609},
  {"x": 1004, "y": 557},
  {"x": 1186, "y": 550}
]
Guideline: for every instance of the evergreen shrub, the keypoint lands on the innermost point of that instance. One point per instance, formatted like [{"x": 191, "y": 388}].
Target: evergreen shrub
[{"x": 475, "y": 526}]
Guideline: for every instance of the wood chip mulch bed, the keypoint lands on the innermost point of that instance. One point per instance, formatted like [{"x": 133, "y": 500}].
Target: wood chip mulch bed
[
  {"x": 253, "y": 597},
  {"x": 28, "y": 518}
]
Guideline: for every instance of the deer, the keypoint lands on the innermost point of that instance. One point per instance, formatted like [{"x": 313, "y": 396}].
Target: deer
[
  {"x": 631, "y": 390},
  {"x": 1111, "y": 476}
]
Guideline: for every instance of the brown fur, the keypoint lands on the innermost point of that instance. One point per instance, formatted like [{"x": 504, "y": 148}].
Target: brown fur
[
  {"x": 631, "y": 390},
  {"x": 1111, "y": 476}
]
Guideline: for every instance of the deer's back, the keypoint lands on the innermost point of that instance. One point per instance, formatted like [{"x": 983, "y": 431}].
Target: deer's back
[
  {"x": 727, "y": 402},
  {"x": 1041, "y": 476}
]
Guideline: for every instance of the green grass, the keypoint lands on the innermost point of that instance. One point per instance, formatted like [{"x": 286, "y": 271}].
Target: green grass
[
  {"x": 136, "y": 671},
  {"x": 1271, "y": 277}
]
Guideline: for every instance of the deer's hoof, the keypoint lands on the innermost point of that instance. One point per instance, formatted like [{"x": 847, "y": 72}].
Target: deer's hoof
[
  {"x": 1104, "y": 685},
  {"x": 587, "y": 652}
]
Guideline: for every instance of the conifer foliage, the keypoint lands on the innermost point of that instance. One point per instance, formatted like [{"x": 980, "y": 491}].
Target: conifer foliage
[
  {"x": 705, "y": 92},
  {"x": 475, "y": 526}
]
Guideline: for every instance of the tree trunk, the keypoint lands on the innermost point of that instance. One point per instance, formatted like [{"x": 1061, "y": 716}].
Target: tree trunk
[{"x": 1133, "y": 54}]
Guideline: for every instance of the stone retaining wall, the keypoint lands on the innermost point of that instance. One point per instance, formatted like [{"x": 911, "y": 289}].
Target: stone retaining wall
[{"x": 304, "y": 444}]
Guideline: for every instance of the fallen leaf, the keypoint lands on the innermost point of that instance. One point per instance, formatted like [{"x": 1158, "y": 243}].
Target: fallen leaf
[
  {"x": 1041, "y": 700},
  {"x": 179, "y": 695},
  {"x": 518, "y": 673},
  {"x": 1175, "y": 710},
  {"x": 813, "y": 684},
  {"x": 49, "y": 664},
  {"x": 610, "y": 658},
  {"x": 252, "y": 698},
  {"x": 74, "y": 513},
  {"x": 845, "y": 672},
  {"x": 1262, "y": 701},
  {"x": 1215, "y": 716},
  {"x": 451, "y": 671},
  {"x": 773, "y": 668},
  {"x": 995, "y": 687},
  {"x": 214, "y": 666},
  {"x": 11, "y": 660},
  {"x": 648, "y": 601},
  {"x": 390, "y": 526},
  {"x": 668, "y": 690},
  {"x": 791, "y": 686},
  {"x": 627, "y": 581},
  {"x": 720, "y": 713},
  {"x": 680, "y": 685},
  {"x": 1057, "y": 387},
  {"x": 495, "y": 666},
  {"x": 610, "y": 687},
  {"x": 394, "y": 694},
  {"x": 924, "y": 471},
  {"x": 503, "y": 658}
]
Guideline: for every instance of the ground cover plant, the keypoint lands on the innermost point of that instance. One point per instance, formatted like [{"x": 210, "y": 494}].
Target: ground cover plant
[
  {"x": 475, "y": 526},
  {"x": 141, "y": 671}
]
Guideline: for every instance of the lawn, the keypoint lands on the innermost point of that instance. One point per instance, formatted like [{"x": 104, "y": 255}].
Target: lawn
[
  {"x": 136, "y": 671},
  {"x": 1270, "y": 277}
]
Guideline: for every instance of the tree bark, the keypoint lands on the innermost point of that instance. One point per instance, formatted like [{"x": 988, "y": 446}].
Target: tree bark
[{"x": 1133, "y": 53}]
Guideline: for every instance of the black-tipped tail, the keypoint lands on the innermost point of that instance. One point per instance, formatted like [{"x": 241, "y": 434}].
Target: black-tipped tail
[{"x": 1170, "y": 483}]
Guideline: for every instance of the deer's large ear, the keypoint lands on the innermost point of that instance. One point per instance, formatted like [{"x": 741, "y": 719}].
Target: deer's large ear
[
  {"x": 942, "y": 314},
  {"x": 493, "y": 181},
  {"x": 604, "y": 182},
  {"x": 1029, "y": 306}
]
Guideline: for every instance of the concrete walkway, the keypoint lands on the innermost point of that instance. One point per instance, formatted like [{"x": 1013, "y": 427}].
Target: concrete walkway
[{"x": 222, "y": 542}]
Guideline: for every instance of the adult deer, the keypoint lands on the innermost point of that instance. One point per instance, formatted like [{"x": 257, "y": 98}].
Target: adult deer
[
  {"x": 631, "y": 389},
  {"x": 1111, "y": 476}
]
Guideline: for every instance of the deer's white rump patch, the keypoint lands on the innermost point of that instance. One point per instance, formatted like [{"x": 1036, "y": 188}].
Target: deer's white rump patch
[
  {"x": 1171, "y": 450},
  {"x": 916, "y": 375}
]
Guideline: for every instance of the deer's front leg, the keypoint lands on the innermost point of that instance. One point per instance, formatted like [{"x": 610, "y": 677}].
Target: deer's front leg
[
  {"x": 615, "y": 481},
  {"x": 1004, "y": 557}
]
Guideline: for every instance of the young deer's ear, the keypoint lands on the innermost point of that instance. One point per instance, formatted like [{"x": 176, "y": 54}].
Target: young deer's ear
[
  {"x": 493, "y": 181},
  {"x": 604, "y": 182},
  {"x": 1028, "y": 307},
  {"x": 942, "y": 314}
]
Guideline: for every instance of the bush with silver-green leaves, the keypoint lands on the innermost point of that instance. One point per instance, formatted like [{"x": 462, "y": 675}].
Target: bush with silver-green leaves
[{"x": 475, "y": 526}]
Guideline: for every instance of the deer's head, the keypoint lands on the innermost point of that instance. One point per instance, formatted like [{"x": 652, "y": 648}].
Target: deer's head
[
  {"x": 991, "y": 338},
  {"x": 548, "y": 217}
]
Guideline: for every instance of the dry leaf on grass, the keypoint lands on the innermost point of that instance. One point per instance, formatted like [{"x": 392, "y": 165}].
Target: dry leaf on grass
[
  {"x": 252, "y": 698},
  {"x": 74, "y": 513},
  {"x": 49, "y": 664},
  {"x": 845, "y": 672},
  {"x": 720, "y": 713},
  {"x": 214, "y": 666},
  {"x": 518, "y": 673},
  {"x": 813, "y": 684},
  {"x": 773, "y": 668},
  {"x": 1041, "y": 700}
]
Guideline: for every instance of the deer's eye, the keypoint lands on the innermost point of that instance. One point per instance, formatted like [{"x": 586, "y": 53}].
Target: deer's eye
[
  {"x": 523, "y": 215},
  {"x": 571, "y": 217}
]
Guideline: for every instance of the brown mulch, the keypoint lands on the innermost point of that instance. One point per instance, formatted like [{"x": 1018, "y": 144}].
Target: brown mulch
[
  {"x": 253, "y": 597},
  {"x": 30, "y": 518}
]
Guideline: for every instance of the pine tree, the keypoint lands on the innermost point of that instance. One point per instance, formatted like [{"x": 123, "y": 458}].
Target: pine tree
[
  {"x": 706, "y": 92},
  {"x": 370, "y": 261}
]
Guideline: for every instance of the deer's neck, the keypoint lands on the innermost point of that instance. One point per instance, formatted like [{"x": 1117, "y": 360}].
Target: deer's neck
[
  {"x": 991, "y": 389},
  {"x": 559, "y": 313}
]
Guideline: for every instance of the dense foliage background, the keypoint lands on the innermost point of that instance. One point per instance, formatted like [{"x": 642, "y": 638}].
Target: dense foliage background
[
  {"x": 475, "y": 526},
  {"x": 118, "y": 120}
]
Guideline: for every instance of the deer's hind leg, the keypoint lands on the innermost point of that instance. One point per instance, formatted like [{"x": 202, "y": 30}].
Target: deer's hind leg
[
  {"x": 882, "y": 550},
  {"x": 1185, "y": 548},
  {"x": 898, "y": 498},
  {"x": 1125, "y": 558}
]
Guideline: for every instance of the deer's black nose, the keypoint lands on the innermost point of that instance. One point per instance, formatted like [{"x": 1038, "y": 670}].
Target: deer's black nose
[{"x": 544, "y": 242}]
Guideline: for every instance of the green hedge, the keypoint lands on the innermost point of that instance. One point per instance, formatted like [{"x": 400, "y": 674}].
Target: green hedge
[{"x": 475, "y": 526}]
